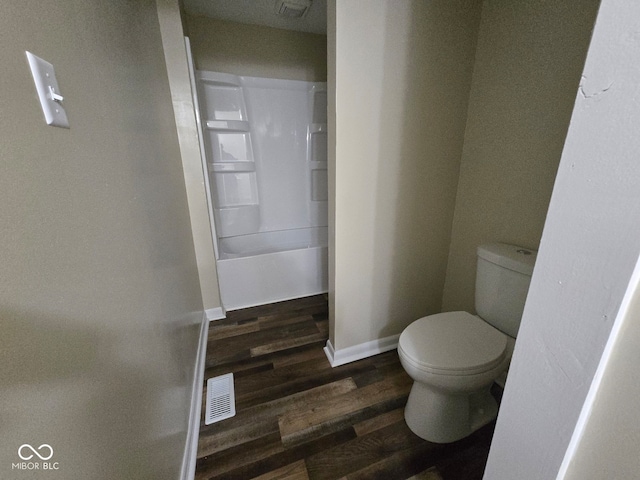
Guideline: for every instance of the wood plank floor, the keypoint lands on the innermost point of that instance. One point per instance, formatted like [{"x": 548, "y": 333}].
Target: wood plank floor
[{"x": 298, "y": 418}]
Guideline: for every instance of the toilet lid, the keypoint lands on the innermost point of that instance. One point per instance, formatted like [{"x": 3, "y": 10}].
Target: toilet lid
[{"x": 453, "y": 343}]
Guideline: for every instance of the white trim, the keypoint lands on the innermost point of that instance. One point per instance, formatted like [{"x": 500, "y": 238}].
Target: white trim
[
  {"x": 358, "y": 352},
  {"x": 581, "y": 425},
  {"x": 193, "y": 431},
  {"x": 203, "y": 154},
  {"x": 217, "y": 313}
]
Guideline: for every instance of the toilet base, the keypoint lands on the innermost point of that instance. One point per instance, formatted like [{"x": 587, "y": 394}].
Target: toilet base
[{"x": 442, "y": 417}]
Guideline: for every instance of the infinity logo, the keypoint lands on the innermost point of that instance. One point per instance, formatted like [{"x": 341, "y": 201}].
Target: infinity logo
[{"x": 29, "y": 456}]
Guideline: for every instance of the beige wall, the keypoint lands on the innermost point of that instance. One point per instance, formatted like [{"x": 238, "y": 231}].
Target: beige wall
[
  {"x": 528, "y": 64},
  {"x": 585, "y": 268},
  {"x": 402, "y": 77},
  {"x": 257, "y": 51},
  {"x": 180, "y": 84},
  {"x": 100, "y": 304}
]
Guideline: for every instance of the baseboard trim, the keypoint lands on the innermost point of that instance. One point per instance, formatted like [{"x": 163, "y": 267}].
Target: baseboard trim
[
  {"x": 358, "y": 352},
  {"x": 217, "y": 313},
  {"x": 193, "y": 431}
]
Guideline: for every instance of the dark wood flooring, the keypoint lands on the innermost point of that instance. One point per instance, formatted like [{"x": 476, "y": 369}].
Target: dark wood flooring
[{"x": 298, "y": 418}]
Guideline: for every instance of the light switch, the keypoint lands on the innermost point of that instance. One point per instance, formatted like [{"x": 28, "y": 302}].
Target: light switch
[{"x": 48, "y": 92}]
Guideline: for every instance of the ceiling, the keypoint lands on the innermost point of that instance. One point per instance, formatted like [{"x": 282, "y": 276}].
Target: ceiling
[{"x": 261, "y": 12}]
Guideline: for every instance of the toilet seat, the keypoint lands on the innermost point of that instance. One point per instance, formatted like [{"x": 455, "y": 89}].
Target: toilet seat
[{"x": 452, "y": 343}]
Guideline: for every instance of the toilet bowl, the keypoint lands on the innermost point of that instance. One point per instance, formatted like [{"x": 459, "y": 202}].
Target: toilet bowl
[{"x": 455, "y": 357}]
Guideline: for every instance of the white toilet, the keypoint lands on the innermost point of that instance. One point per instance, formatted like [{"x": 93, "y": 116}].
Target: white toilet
[{"x": 455, "y": 357}]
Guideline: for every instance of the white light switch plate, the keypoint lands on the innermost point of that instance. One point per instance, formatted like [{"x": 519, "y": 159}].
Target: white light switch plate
[{"x": 48, "y": 92}]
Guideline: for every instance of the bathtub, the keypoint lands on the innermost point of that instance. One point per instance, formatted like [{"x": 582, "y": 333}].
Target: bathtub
[{"x": 269, "y": 267}]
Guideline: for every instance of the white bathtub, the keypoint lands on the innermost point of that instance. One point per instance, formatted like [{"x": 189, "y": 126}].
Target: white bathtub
[{"x": 270, "y": 267}]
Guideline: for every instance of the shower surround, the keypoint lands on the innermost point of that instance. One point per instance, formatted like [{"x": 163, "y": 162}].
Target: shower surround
[{"x": 266, "y": 149}]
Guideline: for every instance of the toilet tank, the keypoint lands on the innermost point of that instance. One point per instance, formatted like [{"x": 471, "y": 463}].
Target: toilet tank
[{"x": 503, "y": 276}]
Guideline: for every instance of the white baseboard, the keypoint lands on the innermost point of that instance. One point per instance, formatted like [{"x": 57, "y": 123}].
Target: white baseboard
[
  {"x": 217, "y": 313},
  {"x": 193, "y": 431},
  {"x": 358, "y": 352}
]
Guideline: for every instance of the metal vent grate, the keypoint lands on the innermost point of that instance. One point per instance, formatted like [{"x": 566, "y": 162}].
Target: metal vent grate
[
  {"x": 221, "y": 402},
  {"x": 292, "y": 8}
]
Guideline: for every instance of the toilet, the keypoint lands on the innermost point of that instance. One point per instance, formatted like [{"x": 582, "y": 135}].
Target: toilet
[{"x": 454, "y": 357}]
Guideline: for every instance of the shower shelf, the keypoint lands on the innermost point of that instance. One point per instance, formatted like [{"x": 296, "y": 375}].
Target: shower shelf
[
  {"x": 232, "y": 166},
  {"x": 237, "y": 206},
  {"x": 228, "y": 125}
]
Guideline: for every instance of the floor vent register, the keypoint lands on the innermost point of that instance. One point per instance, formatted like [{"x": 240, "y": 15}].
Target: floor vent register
[{"x": 221, "y": 402}]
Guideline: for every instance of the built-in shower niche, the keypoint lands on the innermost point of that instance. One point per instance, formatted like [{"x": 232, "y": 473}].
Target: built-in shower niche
[
  {"x": 266, "y": 147},
  {"x": 232, "y": 169},
  {"x": 318, "y": 157}
]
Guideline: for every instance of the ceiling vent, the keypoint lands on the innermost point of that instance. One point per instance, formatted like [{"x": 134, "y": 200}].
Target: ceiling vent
[{"x": 292, "y": 8}]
